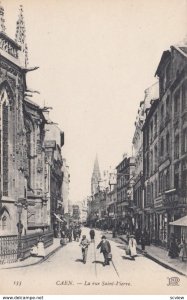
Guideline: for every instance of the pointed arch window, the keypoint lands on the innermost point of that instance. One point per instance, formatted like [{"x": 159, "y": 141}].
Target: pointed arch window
[
  {"x": 4, "y": 220},
  {"x": 4, "y": 140},
  {"x": 30, "y": 151}
]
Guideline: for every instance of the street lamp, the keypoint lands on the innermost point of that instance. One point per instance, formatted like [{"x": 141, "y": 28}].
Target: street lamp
[
  {"x": 20, "y": 204},
  {"x": 20, "y": 227}
]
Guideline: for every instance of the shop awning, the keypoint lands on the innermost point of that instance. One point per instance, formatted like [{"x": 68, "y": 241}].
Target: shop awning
[{"x": 180, "y": 222}]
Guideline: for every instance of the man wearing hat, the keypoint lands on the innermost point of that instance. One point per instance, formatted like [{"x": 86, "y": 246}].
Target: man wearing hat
[{"x": 105, "y": 248}]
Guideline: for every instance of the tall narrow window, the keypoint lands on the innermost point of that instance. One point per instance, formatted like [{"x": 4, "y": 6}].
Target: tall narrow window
[
  {"x": 176, "y": 147},
  {"x": 151, "y": 132},
  {"x": 156, "y": 191},
  {"x": 167, "y": 108},
  {"x": 184, "y": 141},
  {"x": 5, "y": 147},
  {"x": 151, "y": 162},
  {"x": 167, "y": 180},
  {"x": 28, "y": 139},
  {"x": 184, "y": 182},
  {"x": 4, "y": 140},
  {"x": 162, "y": 147},
  {"x": 155, "y": 125},
  {"x": 184, "y": 95},
  {"x": 176, "y": 102},
  {"x": 156, "y": 157},
  {"x": 176, "y": 176},
  {"x": 162, "y": 114},
  {"x": 167, "y": 143}
]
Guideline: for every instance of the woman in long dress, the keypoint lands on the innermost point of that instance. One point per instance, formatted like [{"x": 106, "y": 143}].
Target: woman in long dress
[
  {"x": 183, "y": 250},
  {"x": 132, "y": 247},
  {"x": 41, "y": 250}
]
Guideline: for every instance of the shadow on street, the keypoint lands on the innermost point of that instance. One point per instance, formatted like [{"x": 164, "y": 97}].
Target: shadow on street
[
  {"x": 79, "y": 260},
  {"x": 97, "y": 262}
]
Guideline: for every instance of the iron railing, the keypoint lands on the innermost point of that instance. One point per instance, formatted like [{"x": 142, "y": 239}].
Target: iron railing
[
  {"x": 13, "y": 248},
  {"x": 8, "y": 249}
]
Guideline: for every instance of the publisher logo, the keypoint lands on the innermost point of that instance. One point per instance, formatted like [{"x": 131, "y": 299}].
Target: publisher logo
[{"x": 173, "y": 281}]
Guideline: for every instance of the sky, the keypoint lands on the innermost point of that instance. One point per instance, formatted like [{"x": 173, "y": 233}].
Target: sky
[{"x": 96, "y": 59}]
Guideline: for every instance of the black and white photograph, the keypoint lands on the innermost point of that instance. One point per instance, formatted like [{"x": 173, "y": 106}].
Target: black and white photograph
[{"x": 93, "y": 147}]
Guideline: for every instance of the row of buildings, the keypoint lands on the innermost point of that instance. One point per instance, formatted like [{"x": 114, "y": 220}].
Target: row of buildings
[
  {"x": 34, "y": 176},
  {"x": 151, "y": 186}
]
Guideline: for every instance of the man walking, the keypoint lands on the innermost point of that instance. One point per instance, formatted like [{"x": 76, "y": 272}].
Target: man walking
[
  {"x": 92, "y": 235},
  {"x": 84, "y": 245},
  {"x": 105, "y": 248}
]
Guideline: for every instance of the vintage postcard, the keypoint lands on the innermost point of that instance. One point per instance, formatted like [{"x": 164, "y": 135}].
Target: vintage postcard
[{"x": 93, "y": 147}]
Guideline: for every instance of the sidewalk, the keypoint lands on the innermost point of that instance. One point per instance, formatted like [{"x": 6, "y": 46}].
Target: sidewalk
[
  {"x": 34, "y": 260},
  {"x": 160, "y": 256}
]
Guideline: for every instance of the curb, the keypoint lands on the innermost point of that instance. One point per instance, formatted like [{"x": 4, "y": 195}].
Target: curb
[
  {"x": 38, "y": 262},
  {"x": 157, "y": 260}
]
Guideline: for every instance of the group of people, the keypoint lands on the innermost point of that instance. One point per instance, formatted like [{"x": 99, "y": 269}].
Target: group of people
[
  {"x": 69, "y": 234},
  {"x": 104, "y": 246},
  {"x": 177, "y": 249}
]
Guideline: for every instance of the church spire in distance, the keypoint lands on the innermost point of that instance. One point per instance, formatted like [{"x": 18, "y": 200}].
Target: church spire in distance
[
  {"x": 2, "y": 20},
  {"x": 21, "y": 37},
  {"x": 96, "y": 166},
  {"x": 96, "y": 177}
]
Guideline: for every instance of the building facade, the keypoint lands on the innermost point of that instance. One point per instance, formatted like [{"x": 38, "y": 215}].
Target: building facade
[
  {"x": 151, "y": 94},
  {"x": 31, "y": 162},
  {"x": 150, "y": 159},
  {"x": 165, "y": 152},
  {"x": 54, "y": 140},
  {"x": 65, "y": 185},
  {"x": 125, "y": 206},
  {"x": 14, "y": 165}
]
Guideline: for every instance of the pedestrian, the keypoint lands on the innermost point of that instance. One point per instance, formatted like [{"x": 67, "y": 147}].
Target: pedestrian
[
  {"x": 70, "y": 234},
  {"x": 63, "y": 238},
  {"x": 138, "y": 235},
  {"x": 74, "y": 234},
  {"x": 40, "y": 246},
  {"x": 105, "y": 248},
  {"x": 132, "y": 247},
  {"x": 79, "y": 232},
  {"x": 183, "y": 250},
  {"x": 34, "y": 250},
  {"x": 92, "y": 235},
  {"x": 84, "y": 247},
  {"x": 143, "y": 242},
  {"x": 173, "y": 248},
  {"x": 114, "y": 232}
]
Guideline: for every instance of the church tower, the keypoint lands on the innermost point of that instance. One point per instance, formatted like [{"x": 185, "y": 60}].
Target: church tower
[
  {"x": 20, "y": 38},
  {"x": 96, "y": 176}
]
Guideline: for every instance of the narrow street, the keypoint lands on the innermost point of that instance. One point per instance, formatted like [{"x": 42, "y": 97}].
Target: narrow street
[{"x": 64, "y": 272}]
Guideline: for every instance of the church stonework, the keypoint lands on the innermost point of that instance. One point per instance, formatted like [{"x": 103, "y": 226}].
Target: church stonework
[{"x": 28, "y": 172}]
